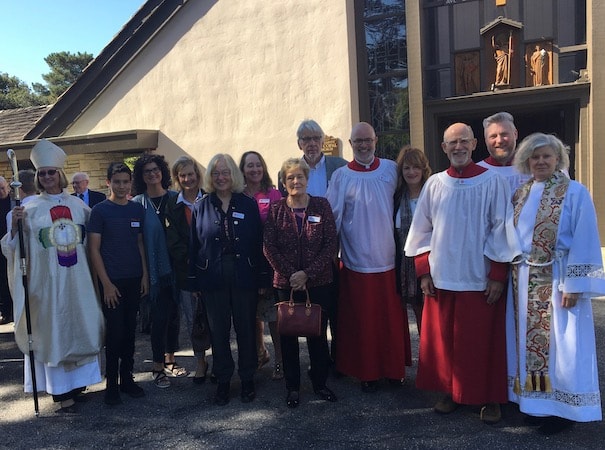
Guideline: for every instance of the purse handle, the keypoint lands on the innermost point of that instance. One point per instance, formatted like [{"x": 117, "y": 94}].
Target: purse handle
[{"x": 291, "y": 301}]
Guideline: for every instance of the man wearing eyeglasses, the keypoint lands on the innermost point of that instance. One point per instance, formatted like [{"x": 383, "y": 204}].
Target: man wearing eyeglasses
[
  {"x": 373, "y": 337},
  {"x": 80, "y": 182},
  {"x": 462, "y": 238},
  {"x": 310, "y": 139}
]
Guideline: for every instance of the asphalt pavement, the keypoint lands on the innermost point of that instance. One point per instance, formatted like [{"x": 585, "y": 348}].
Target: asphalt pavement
[{"x": 184, "y": 417}]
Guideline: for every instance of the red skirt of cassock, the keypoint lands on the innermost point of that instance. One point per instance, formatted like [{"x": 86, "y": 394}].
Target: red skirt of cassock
[
  {"x": 463, "y": 347},
  {"x": 373, "y": 338}
]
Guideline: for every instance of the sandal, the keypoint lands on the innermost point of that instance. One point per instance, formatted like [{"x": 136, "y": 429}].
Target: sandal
[
  {"x": 174, "y": 370},
  {"x": 278, "y": 373},
  {"x": 263, "y": 358},
  {"x": 160, "y": 379}
]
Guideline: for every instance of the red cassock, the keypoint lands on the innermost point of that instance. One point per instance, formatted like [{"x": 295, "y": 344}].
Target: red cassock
[
  {"x": 452, "y": 358},
  {"x": 373, "y": 338}
]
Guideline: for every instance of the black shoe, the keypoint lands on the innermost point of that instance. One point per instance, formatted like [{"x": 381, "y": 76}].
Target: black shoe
[
  {"x": 221, "y": 398},
  {"x": 396, "y": 382},
  {"x": 68, "y": 409},
  {"x": 533, "y": 421},
  {"x": 5, "y": 320},
  {"x": 248, "y": 394},
  {"x": 292, "y": 400},
  {"x": 112, "y": 395},
  {"x": 80, "y": 398},
  {"x": 131, "y": 388},
  {"x": 369, "y": 386},
  {"x": 326, "y": 394},
  {"x": 553, "y": 425}
]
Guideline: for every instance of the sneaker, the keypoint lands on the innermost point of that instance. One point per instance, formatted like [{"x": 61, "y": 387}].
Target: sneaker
[
  {"x": 491, "y": 414},
  {"x": 131, "y": 388},
  {"x": 446, "y": 405},
  {"x": 112, "y": 395}
]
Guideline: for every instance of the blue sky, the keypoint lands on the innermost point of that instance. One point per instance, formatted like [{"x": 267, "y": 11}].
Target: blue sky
[{"x": 32, "y": 29}]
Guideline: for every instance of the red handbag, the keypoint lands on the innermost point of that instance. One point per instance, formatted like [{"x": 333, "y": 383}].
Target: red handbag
[{"x": 299, "y": 319}]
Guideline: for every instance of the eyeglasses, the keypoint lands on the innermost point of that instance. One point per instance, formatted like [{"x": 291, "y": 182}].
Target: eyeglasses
[
  {"x": 363, "y": 141},
  {"x": 463, "y": 142},
  {"x": 155, "y": 170},
  {"x": 224, "y": 173},
  {"x": 307, "y": 139},
  {"x": 43, "y": 173},
  {"x": 78, "y": 182}
]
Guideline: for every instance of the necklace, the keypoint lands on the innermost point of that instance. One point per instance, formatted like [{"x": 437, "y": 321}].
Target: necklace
[
  {"x": 301, "y": 208},
  {"x": 158, "y": 206}
]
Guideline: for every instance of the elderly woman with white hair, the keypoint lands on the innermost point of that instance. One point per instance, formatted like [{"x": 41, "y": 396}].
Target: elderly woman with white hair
[
  {"x": 224, "y": 261},
  {"x": 552, "y": 364},
  {"x": 66, "y": 316}
]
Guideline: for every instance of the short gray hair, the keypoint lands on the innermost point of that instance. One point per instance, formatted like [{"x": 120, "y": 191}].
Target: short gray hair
[
  {"x": 533, "y": 142},
  {"x": 499, "y": 117},
  {"x": 309, "y": 125},
  {"x": 84, "y": 176}
]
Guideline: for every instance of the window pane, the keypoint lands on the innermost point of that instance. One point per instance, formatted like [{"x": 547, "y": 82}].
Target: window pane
[
  {"x": 570, "y": 65},
  {"x": 386, "y": 45},
  {"x": 538, "y": 19},
  {"x": 389, "y": 103},
  {"x": 374, "y": 7},
  {"x": 572, "y": 22}
]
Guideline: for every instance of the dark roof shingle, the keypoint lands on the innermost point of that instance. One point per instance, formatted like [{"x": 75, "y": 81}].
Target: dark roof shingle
[{"x": 16, "y": 123}]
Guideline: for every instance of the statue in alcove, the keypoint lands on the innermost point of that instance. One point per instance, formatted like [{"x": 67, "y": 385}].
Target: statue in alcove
[
  {"x": 502, "y": 52},
  {"x": 538, "y": 65}
]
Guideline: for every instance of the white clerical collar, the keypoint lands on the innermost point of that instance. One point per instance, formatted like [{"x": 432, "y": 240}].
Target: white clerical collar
[{"x": 366, "y": 166}]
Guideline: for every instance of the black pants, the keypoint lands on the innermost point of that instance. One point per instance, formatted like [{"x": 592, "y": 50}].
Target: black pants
[
  {"x": 318, "y": 346},
  {"x": 165, "y": 324},
  {"x": 222, "y": 305},
  {"x": 121, "y": 323}
]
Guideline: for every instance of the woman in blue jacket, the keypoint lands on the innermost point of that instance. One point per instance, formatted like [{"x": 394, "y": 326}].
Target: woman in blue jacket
[{"x": 226, "y": 248}]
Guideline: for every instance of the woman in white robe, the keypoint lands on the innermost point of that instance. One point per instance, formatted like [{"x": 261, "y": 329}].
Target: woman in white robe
[
  {"x": 66, "y": 317},
  {"x": 552, "y": 368}
]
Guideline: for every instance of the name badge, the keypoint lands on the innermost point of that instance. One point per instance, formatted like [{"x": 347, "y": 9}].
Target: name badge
[
  {"x": 314, "y": 219},
  {"x": 135, "y": 224},
  {"x": 264, "y": 200},
  {"x": 238, "y": 215}
]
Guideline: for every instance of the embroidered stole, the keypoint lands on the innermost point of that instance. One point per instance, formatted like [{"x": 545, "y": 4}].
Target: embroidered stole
[{"x": 539, "y": 290}]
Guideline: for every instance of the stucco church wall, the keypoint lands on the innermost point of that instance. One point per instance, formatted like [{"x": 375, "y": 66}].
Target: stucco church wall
[{"x": 232, "y": 76}]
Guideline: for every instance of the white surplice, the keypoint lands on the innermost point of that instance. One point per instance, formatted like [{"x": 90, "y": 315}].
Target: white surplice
[
  {"x": 463, "y": 222},
  {"x": 510, "y": 173},
  {"x": 572, "y": 356},
  {"x": 362, "y": 203}
]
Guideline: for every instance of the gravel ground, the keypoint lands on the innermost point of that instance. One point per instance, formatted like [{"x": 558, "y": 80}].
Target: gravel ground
[{"x": 184, "y": 417}]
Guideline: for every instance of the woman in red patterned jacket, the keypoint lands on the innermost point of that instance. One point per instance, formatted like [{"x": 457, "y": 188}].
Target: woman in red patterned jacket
[{"x": 300, "y": 242}]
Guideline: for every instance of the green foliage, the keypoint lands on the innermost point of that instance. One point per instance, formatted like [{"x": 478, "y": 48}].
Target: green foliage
[
  {"x": 65, "y": 68},
  {"x": 15, "y": 93}
]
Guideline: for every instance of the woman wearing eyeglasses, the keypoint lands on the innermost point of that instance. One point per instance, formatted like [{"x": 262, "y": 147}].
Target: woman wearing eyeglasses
[
  {"x": 151, "y": 181},
  {"x": 224, "y": 260},
  {"x": 66, "y": 317}
]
